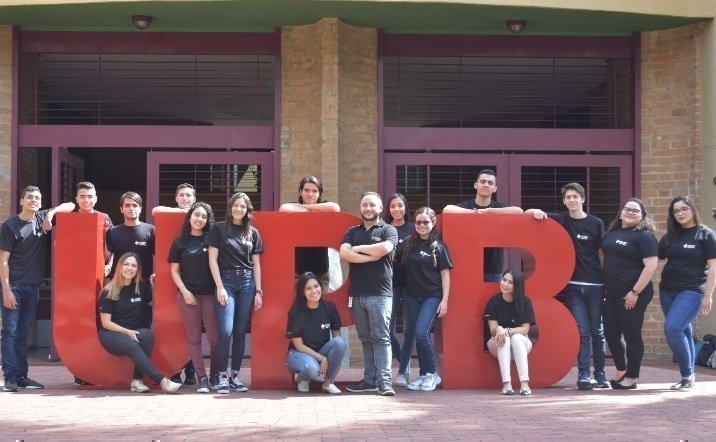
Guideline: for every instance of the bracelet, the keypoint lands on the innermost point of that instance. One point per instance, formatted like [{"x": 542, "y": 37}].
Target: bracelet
[
  {"x": 636, "y": 292},
  {"x": 509, "y": 332},
  {"x": 259, "y": 292}
]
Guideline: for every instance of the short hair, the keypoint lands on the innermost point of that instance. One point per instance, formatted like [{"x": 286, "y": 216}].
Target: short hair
[
  {"x": 132, "y": 196},
  {"x": 573, "y": 186},
  {"x": 371, "y": 193},
  {"x": 29, "y": 189},
  {"x": 185, "y": 186},
  {"x": 85, "y": 185},
  {"x": 486, "y": 172}
]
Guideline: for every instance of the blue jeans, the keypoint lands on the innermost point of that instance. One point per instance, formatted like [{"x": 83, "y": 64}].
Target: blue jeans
[
  {"x": 16, "y": 326},
  {"x": 585, "y": 303},
  {"x": 399, "y": 293},
  {"x": 422, "y": 316},
  {"x": 308, "y": 368},
  {"x": 233, "y": 318},
  {"x": 680, "y": 309},
  {"x": 371, "y": 315}
]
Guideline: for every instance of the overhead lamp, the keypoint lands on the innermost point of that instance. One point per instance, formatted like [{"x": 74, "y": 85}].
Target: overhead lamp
[
  {"x": 141, "y": 22},
  {"x": 516, "y": 26}
]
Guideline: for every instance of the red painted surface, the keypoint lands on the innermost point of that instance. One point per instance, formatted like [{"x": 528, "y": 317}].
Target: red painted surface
[{"x": 464, "y": 362}]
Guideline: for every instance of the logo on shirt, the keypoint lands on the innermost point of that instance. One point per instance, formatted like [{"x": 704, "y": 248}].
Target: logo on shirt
[
  {"x": 247, "y": 242},
  {"x": 622, "y": 243},
  {"x": 423, "y": 253},
  {"x": 140, "y": 243},
  {"x": 689, "y": 246},
  {"x": 582, "y": 236},
  {"x": 133, "y": 300},
  {"x": 325, "y": 326},
  {"x": 204, "y": 249},
  {"x": 376, "y": 238}
]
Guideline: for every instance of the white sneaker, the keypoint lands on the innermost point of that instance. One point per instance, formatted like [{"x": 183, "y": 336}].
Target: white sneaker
[
  {"x": 304, "y": 386},
  {"x": 401, "y": 381},
  {"x": 432, "y": 380},
  {"x": 168, "y": 386},
  {"x": 331, "y": 389},
  {"x": 138, "y": 386},
  {"x": 416, "y": 384}
]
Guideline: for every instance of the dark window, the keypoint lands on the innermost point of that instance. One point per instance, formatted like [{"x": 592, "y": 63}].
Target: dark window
[
  {"x": 508, "y": 92},
  {"x": 147, "y": 89}
]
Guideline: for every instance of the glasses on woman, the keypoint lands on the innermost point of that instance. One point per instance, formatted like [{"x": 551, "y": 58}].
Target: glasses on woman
[
  {"x": 422, "y": 223},
  {"x": 630, "y": 210},
  {"x": 681, "y": 210}
]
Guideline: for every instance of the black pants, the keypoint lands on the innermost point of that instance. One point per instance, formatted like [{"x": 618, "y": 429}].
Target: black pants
[
  {"x": 619, "y": 321},
  {"x": 120, "y": 344}
]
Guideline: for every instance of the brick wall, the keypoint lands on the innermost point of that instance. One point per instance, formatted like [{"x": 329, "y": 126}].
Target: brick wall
[
  {"x": 671, "y": 144},
  {"x": 6, "y": 51}
]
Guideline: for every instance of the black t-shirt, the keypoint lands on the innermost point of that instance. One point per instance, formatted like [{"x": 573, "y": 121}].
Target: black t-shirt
[
  {"x": 128, "y": 310},
  {"x": 235, "y": 249},
  {"x": 586, "y": 235},
  {"x": 373, "y": 278},
  {"x": 193, "y": 258},
  {"x": 138, "y": 239},
  {"x": 494, "y": 257},
  {"x": 624, "y": 251},
  {"x": 422, "y": 276},
  {"x": 686, "y": 256},
  {"x": 505, "y": 313},
  {"x": 313, "y": 325},
  {"x": 398, "y": 267},
  {"x": 27, "y": 244}
]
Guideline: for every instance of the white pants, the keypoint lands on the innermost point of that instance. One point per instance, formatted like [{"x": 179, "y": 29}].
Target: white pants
[{"x": 520, "y": 346}]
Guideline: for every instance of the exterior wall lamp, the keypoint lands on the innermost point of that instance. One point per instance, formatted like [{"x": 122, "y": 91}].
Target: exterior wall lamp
[
  {"x": 516, "y": 26},
  {"x": 141, "y": 22}
]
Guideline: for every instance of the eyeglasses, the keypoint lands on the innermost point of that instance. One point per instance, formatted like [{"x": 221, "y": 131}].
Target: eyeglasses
[
  {"x": 422, "y": 223},
  {"x": 681, "y": 210},
  {"x": 630, "y": 210}
]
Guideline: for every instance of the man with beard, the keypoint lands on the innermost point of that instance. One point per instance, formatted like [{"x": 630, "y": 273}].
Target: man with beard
[{"x": 369, "y": 248}]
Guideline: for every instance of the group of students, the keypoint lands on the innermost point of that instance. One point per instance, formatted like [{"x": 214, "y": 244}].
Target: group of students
[{"x": 216, "y": 268}]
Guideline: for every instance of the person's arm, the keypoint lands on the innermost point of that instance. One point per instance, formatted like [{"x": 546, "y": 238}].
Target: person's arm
[
  {"x": 511, "y": 210},
  {"x": 377, "y": 250},
  {"x": 445, "y": 279},
  {"x": 707, "y": 300},
  {"x": 451, "y": 208},
  {"x": 259, "y": 297},
  {"x": 176, "y": 277},
  {"x": 303, "y": 348},
  {"x": 221, "y": 294},
  {"x": 323, "y": 207},
  {"x": 62, "y": 208},
  {"x": 165, "y": 209},
  {"x": 536, "y": 213},
  {"x": 8, "y": 297},
  {"x": 650, "y": 265},
  {"x": 523, "y": 329},
  {"x": 107, "y": 324},
  {"x": 292, "y": 208},
  {"x": 349, "y": 255}
]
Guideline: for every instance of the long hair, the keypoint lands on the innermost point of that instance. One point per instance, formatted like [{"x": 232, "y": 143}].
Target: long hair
[
  {"x": 673, "y": 228},
  {"x": 299, "y": 303},
  {"x": 400, "y": 196},
  {"x": 313, "y": 180},
  {"x": 518, "y": 292},
  {"x": 114, "y": 287},
  {"x": 411, "y": 242},
  {"x": 186, "y": 225},
  {"x": 247, "y": 221},
  {"x": 646, "y": 224}
]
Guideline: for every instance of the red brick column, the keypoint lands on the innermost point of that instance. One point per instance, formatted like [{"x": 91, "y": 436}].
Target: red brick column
[{"x": 6, "y": 50}]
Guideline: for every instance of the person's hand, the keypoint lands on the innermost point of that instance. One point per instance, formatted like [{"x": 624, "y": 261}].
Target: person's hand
[
  {"x": 189, "y": 298},
  {"x": 9, "y": 300},
  {"x": 442, "y": 309},
  {"x": 133, "y": 334},
  {"x": 500, "y": 336},
  {"x": 222, "y": 296},
  {"x": 324, "y": 367},
  {"x": 538, "y": 214},
  {"x": 706, "y": 305},
  {"x": 47, "y": 223},
  {"x": 152, "y": 279},
  {"x": 258, "y": 301},
  {"x": 107, "y": 269},
  {"x": 630, "y": 300}
]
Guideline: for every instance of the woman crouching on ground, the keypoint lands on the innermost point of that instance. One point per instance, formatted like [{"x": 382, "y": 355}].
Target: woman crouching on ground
[
  {"x": 314, "y": 327},
  {"x": 121, "y": 311}
]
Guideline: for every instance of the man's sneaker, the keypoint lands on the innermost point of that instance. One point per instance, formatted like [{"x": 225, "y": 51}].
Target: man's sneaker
[
  {"x": 601, "y": 379},
  {"x": 304, "y": 386},
  {"x": 223, "y": 385},
  {"x": 189, "y": 377},
  {"x": 236, "y": 384},
  {"x": 137, "y": 386},
  {"x": 584, "y": 381},
  {"x": 203, "y": 385},
  {"x": 168, "y": 386},
  {"x": 401, "y": 381},
  {"x": 30, "y": 384},
  {"x": 176, "y": 378},
  {"x": 10, "y": 386},
  {"x": 361, "y": 387},
  {"x": 431, "y": 381},
  {"x": 417, "y": 384},
  {"x": 385, "y": 388},
  {"x": 686, "y": 385},
  {"x": 214, "y": 382}
]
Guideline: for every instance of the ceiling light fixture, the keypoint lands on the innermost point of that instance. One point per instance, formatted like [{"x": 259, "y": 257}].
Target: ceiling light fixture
[
  {"x": 516, "y": 26},
  {"x": 141, "y": 22}
]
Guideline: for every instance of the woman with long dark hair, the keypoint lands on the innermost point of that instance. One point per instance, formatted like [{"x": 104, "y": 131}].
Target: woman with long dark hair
[
  {"x": 314, "y": 327},
  {"x": 427, "y": 273},
  {"x": 687, "y": 281},
  {"x": 509, "y": 315},
  {"x": 121, "y": 313},
  {"x": 189, "y": 261},
  {"x": 234, "y": 259},
  {"x": 396, "y": 209},
  {"x": 630, "y": 260}
]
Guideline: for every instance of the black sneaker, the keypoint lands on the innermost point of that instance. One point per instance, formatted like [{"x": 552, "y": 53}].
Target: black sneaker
[
  {"x": 214, "y": 382},
  {"x": 584, "y": 381},
  {"x": 203, "y": 385},
  {"x": 176, "y": 378},
  {"x": 10, "y": 386},
  {"x": 80, "y": 381},
  {"x": 29, "y": 384},
  {"x": 385, "y": 388},
  {"x": 189, "y": 377},
  {"x": 362, "y": 387},
  {"x": 686, "y": 385}
]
